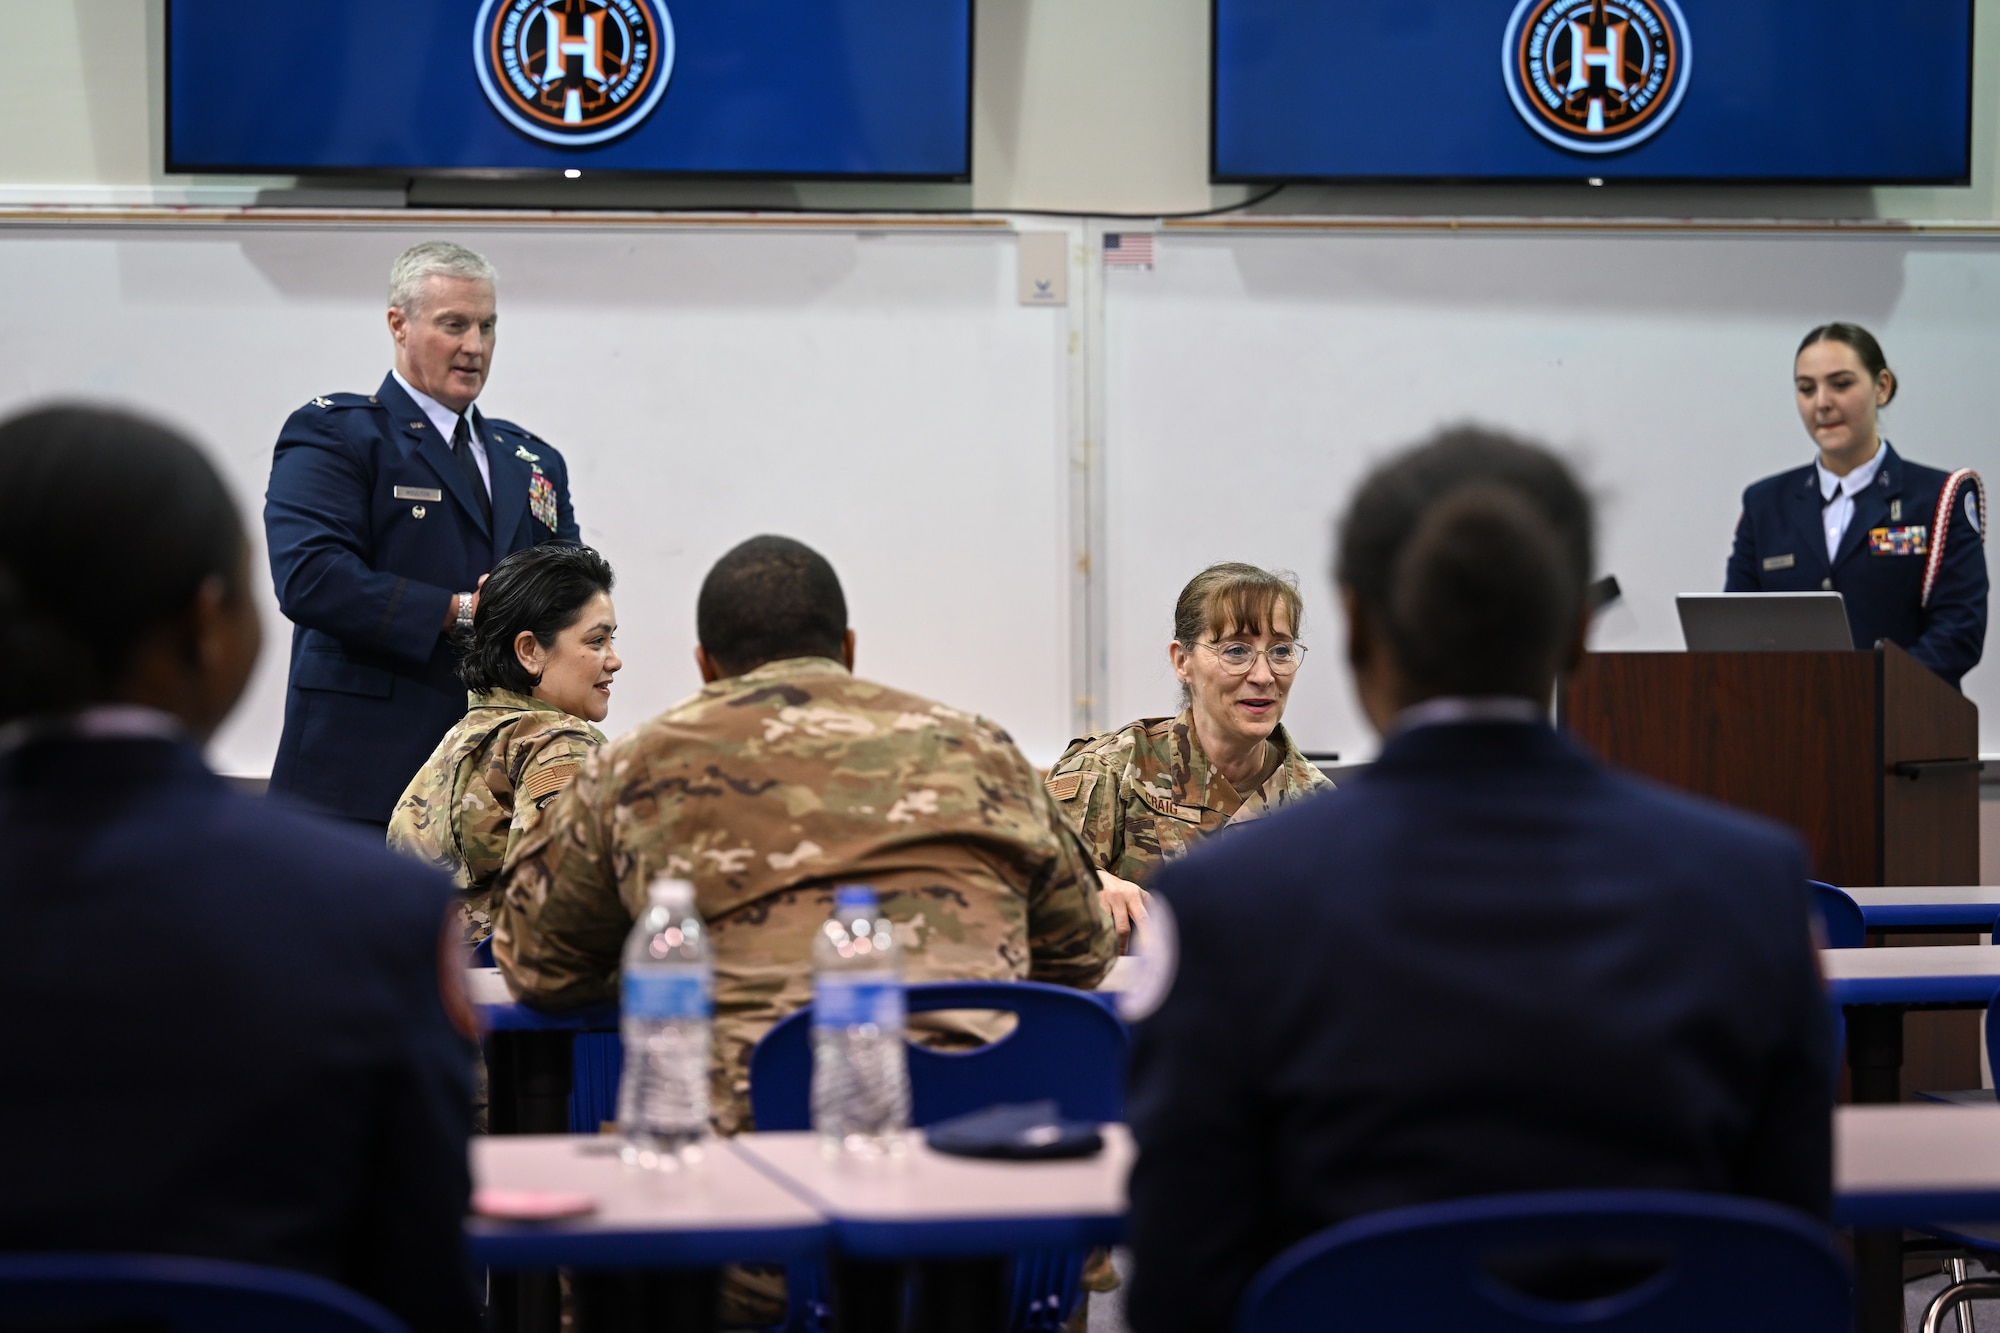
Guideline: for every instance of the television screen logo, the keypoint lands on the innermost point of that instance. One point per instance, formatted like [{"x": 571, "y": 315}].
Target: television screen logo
[
  {"x": 573, "y": 72},
  {"x": 1596, "y": 76}
]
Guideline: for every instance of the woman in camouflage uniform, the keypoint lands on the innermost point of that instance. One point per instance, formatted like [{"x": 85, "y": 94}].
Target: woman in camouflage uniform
[
  {"x": 1150, "y": 790},
  {"x": 538, "y": 673}
]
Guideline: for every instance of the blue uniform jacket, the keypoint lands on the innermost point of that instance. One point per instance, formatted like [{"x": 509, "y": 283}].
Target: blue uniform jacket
[
  {"x": 226, "y": 1034},
  {"x": 372, "y": 527},
  {"x": 1781, "y": 547},
  {"x": 1489, "y": 964}
]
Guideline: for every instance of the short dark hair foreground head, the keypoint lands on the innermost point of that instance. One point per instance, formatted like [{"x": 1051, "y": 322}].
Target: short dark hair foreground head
[
  {"x": 114, "y": 522},
  {"x": 1472, "y": 552},
  {"x": 542, "y": 589},
  {"x": 768, "y": 599}
]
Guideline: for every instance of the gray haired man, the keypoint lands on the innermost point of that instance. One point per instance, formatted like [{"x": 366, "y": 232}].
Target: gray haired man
[{"x": 383, "y": 513}]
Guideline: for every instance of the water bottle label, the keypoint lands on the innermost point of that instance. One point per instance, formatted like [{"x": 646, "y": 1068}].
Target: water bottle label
[
  {"x": 838, "y": 1003},
  {"x": 666, "y": 997}
]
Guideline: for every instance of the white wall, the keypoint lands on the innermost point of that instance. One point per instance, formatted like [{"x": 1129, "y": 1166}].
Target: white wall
[{"x": 1089, "y": 106}]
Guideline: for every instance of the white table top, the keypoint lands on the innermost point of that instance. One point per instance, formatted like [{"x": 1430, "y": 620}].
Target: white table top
[
  {"x": 926, "y": 1186},
  {"x": 1908, "y": 895},
  {"x": 485, "y": 985},
  {"x": 1959, "y": 976},
  {"x": 1903, "y": 1165},
  {"x": 1938, "y": 960},
  {"x": 721, "y": 1191}
]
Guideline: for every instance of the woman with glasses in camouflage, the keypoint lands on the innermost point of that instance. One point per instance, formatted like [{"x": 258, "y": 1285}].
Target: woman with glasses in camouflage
[{"x": 1150, "y": 790}]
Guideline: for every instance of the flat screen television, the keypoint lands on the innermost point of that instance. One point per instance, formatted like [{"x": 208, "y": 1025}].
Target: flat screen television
[
  {"x": 1859, "y": 91},
  {"x": 797, "y": 88}
]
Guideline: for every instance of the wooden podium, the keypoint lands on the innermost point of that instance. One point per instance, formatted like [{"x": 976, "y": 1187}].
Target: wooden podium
[{"x": 1867, "y": 754}]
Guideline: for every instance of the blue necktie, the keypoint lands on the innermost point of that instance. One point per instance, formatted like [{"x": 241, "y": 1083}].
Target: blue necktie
[{"x": 461, "y": 444}]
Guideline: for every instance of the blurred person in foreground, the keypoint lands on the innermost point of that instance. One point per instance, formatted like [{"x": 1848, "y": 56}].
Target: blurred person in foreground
[
  {"x": 785, "y": 777},
  {"x": 1153, "y": 788},
  {"x": 538, "y": 676},
  {"x": 239, "y": 1032},
  {"x": 1487, "y": 965}
]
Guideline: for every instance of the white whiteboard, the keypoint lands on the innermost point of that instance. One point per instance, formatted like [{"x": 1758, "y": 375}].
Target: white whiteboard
[
  {"x": 880, "y": 396},
  {"x": 1252, "y": 378}
]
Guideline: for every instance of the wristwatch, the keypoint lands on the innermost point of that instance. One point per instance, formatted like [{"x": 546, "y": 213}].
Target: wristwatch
[{"x": 465, "y": 613}]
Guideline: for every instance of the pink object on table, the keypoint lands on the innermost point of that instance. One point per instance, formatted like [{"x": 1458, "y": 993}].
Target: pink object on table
[{"x": 531, "y": 1205}]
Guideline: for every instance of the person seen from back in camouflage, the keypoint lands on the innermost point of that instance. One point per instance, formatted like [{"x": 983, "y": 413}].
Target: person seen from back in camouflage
[
  {"x": 1152, "y": 789},
  {"x": 785, "y": 777},
  {"x": 538, "y": 674}
]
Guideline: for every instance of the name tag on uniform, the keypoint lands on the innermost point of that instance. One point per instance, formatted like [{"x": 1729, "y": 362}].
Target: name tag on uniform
[
  {"x": 419, "y": 493},
  {"x": 1911, "y": 540},
  {"x": 1779, "y": 562}
]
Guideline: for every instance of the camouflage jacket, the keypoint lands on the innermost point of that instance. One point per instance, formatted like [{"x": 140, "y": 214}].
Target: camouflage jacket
[
  {"x": 1145, "y": 792},
  {"x": 483, "y": 786},
  {"x": 769, "y": 789}
]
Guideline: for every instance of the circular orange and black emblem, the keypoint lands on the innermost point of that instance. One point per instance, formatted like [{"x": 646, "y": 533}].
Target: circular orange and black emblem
[
  {"x": 573, "y": 72},
  {"x": 1596, "y": 76}
]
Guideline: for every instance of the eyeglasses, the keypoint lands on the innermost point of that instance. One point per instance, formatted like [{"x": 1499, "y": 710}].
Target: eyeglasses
[{"x": 1238, "y": 658}]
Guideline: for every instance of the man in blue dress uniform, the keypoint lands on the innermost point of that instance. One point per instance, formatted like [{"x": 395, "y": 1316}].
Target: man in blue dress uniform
[{"x": 384, "y": 512}]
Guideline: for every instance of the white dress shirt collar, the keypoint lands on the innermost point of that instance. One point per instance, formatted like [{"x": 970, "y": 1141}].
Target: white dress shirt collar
[
  {"x": 1854, "y": 482},
  {"x": 1452, "y": 709},
  {"x": 446, "y": 422},
  {"x": 1837, "y": 497},
  {"x": 99, "y": 722}
]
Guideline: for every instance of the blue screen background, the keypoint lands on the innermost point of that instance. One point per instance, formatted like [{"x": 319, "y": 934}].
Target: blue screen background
[
  {"x": 1862, "y": 90},
  {"x": 790, "y": 87}
]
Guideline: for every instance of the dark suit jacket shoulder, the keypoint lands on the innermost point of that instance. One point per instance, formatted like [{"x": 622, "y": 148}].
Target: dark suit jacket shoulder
[
  {"x": 1487, "y": 965},
  {"x": 372, "y": 525},
  {"x": 232, "y": 1012},
  {"x": 1780, "y": 546}
]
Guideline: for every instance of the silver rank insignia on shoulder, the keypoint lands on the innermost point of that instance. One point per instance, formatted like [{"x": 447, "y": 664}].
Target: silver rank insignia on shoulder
[
  {"x": 1895, "y": 511},
  {"x": 416, "y": 425},
  {"x": 322, "y": 402},
  {"x": 521, "y": 452}
]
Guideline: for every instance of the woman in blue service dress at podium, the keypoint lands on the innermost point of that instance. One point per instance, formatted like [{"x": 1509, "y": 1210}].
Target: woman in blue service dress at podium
[{"x": 1903, "y": 544}]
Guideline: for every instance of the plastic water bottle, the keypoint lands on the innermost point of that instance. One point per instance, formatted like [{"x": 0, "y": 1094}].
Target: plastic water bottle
[
  {"x": 665, "y": 1002},
  {"x": 861, "y": 1072}
]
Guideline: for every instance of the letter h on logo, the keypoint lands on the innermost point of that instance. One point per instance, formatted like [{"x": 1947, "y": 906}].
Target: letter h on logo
[
  {"x": 589, "y": 46},
  {"x": 1608, "y": 57}
]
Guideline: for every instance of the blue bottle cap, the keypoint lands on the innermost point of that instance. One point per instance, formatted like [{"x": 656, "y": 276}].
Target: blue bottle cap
[{"x": 854, "y": 898}]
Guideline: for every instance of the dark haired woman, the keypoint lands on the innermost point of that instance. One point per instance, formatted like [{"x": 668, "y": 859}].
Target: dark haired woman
[
  {"x": 1487, "y": 965},
  {"x": 1154, "y": 787},
  {"x": 1903, "y": 544},
  {"x": 539, "y": 674}
]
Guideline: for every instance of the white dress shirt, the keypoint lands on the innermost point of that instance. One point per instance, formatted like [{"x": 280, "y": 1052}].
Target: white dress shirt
[
  {"x": 446, "y": 422},
  {"x": 1839, "y": 493}
]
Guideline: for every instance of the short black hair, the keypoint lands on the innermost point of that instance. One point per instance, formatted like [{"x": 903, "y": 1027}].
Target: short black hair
[
  {"x": 542, "y": 590},
  {"x": 1473, "y": 553},
  {"x": 768, "y": 599},
  {"x": 114, "y": 522}
]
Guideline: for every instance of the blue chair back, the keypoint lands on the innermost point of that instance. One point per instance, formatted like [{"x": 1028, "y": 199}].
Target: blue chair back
[
  {"x": 1841, "y": 915},
  {"x": 177, "y": 1295},
  {"x": 1613, "y": 1261},
  {"x": 1066, "y": 1047}
]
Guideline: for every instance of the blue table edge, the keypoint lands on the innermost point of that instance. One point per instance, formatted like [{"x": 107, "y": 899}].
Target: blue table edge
[{"x": 514, "y": 1245}]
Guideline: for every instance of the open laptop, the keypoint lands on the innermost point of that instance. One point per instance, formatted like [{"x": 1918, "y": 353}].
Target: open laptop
[{"x": 1764, "y": 622}]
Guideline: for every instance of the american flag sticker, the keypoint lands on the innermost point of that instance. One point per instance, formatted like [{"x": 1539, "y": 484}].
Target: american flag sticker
[{"x": 1128, "y": 249}]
